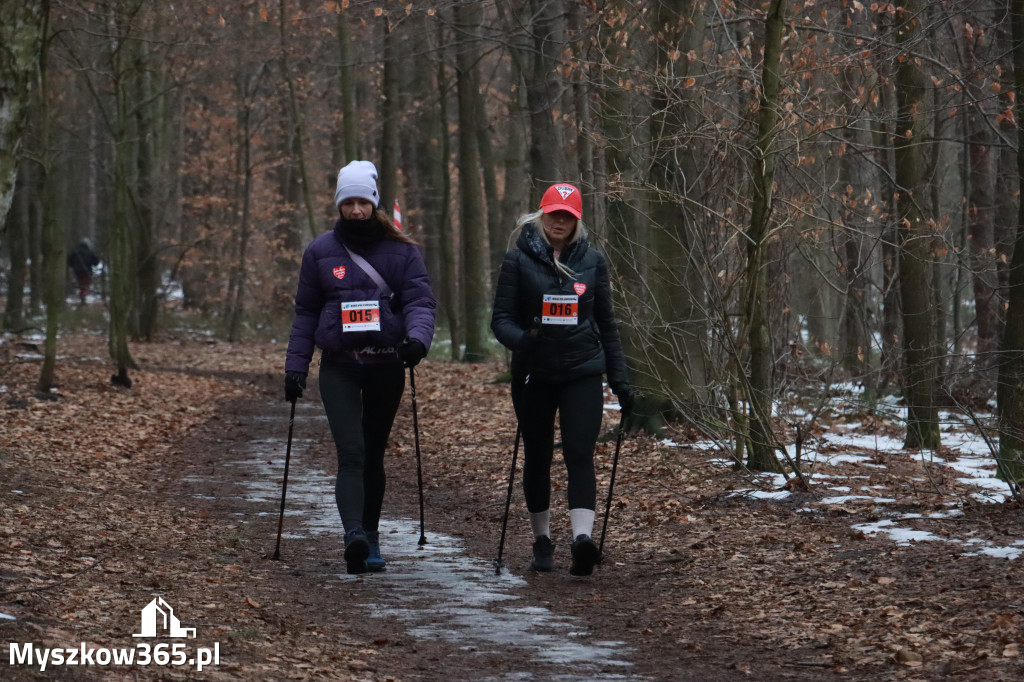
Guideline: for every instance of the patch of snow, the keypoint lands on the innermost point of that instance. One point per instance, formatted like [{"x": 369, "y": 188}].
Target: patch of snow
[
  {"x": 762, "y": 494},
  {"x": 1013, "y": 552},
  {"x": 867, "y": 442},
  {"x": 901, "y": 536},
  {"x": 843, "y": 499},
  {"x": 843, "y": 459}
]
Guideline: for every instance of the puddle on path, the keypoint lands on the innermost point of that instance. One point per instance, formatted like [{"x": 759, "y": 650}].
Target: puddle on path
[{"x": 438, "y": 591}]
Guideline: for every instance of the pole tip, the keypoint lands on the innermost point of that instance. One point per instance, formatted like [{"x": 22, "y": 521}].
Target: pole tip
[{"x": 423, "y": 540}]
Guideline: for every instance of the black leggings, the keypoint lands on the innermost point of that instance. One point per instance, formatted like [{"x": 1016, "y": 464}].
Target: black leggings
[
  {"x": 361, "y": 402},
  {"x": 580, "y": 406}
]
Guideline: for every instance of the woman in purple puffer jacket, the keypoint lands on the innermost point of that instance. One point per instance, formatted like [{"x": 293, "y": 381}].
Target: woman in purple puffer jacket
[{"x": 364, "y": 299}]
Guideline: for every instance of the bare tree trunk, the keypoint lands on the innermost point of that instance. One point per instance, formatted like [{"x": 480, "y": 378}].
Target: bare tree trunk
[
  {"x": 581, "y": 91},
  {"x": 297, "y": 128},
  {"x": 347, "y": 93},
  {"x": 541, "y": 94},
  {"x": 1010, "y": 401},
  {"x": 882, "y": 136},
  {"x": 475, "y": 244},
  {"x": 148, "y": 277},
  {"x": 915, "y": 245},
  {"x": 493, "y": 203},
  {"x": 856, "y": 332},
  {"x": 669, "y": 356},
  {"x": 762, "y": 440},
  {"x": 620, "y": 177},
  {"x": 981, "y": 225},
  {"x": 517, "y": 194},
  {"x": 54, "y": 266},
  {"x": 22, "y": 35},
  {"x": 448, "y": 233},
  {"x": 35, "y": 244},
  {"x": 389, "y": 113},
  {"x": 123, "y": 260},
  {"x": 244, "y": 168},
  {"x": 17, "y": 228}
]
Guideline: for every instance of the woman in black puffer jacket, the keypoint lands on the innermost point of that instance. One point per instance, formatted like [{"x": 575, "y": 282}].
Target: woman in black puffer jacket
[{"x": 553, "y": 309}]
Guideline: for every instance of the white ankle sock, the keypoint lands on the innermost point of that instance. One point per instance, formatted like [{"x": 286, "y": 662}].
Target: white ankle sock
[
  {"x": 582, "y": 521},
  {"x": 541, "y": 523}
]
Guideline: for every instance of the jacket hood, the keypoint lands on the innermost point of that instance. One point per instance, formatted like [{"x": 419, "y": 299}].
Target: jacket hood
[{"x": 531, "y": 242}]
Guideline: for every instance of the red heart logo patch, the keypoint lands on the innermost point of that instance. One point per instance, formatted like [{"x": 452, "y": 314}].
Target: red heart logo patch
[
  {"x": 579, "y": 288},
  {"x": 339, "y": 272}
]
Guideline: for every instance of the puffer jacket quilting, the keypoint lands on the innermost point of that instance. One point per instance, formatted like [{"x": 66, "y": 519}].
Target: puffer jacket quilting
[
  {"x": 562, "y": 352},
  {"x": 328, "y": 276}
]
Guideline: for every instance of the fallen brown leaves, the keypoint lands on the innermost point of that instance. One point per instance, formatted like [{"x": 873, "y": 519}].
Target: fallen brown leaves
[
  {"x": 737, "y": 586},
  {"x": 92, "y": 523},
  {"x": 95, "y": 520}
]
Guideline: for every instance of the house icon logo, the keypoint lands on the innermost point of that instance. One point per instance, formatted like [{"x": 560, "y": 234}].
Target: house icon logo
[{"x": 159, "y": 614}]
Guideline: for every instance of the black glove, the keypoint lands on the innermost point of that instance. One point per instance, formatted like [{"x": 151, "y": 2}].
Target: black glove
[
  {"x": 626, "y": 397},
  {"x": 411, "y": 351},
  {"x": 294, "y": 383},
  {"x": 531, "y": 338},
  {"x": 528, "y": 343}
]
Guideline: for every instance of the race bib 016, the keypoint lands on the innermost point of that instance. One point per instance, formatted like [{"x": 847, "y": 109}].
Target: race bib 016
[
  {"x": 360, "y": 316},
  {"x": 560, "y": 309}
]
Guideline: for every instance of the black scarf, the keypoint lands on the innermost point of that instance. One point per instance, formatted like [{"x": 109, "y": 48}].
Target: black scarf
[{"x": 359, "y": 232}]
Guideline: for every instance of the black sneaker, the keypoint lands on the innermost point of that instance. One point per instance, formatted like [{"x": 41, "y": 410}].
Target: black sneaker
[
  {"x": 357, "y": 549},
  {"x": 543, "y": 555},
  {"x": 584, "y": 555}
]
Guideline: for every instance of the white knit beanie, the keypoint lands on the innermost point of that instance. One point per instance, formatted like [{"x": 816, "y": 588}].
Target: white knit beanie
[{"x": 357, "y": 179}]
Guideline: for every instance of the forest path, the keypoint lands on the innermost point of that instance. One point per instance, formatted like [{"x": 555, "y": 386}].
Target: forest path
[
  {"x": 112, "y": 498},
  {"x": 438, "y": 612}
]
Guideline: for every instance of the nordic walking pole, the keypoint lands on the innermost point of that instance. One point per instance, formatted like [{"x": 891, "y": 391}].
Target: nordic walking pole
[
  {"x": 284, "y": 483},
  {"x": 419, "y": 461},
  {"x": 508, "y": 503},
  {"x": 611, "y": 486}
]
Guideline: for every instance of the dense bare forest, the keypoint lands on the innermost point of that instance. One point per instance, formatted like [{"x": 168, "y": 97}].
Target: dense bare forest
[
  {"x": 812, "y": 211},
  {"x": 793, "y": 195}
]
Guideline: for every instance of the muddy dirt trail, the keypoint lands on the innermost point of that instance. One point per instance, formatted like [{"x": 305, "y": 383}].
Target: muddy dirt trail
[
  {"x": 437, "y": 612},
  {"x": 698, "y": 584},
  {"x": 440, "y": 611}
]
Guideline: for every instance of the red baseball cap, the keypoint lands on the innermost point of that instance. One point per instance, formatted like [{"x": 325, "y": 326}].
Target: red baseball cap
[{"x": 562, "y": 197}]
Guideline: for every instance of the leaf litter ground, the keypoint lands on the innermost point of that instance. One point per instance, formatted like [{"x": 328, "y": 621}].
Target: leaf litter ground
[{"x": 892, "y": 566}]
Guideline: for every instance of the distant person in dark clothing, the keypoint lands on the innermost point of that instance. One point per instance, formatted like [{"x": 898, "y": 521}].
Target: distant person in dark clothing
[{"x": 82, "y": 260}]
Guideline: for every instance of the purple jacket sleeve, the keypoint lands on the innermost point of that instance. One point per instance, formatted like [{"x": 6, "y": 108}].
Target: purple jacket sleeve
[
  {"x": 309, "y": 301},
  {"x": 417, "y": 298}
]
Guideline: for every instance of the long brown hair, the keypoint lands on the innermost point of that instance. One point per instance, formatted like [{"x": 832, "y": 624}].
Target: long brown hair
[{"x": 390, "y": 231}]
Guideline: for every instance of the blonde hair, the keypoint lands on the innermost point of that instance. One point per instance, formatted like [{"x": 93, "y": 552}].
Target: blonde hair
[{"x": 579, "y": 233}]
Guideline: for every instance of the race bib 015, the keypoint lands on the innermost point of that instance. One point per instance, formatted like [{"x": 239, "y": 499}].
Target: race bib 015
[{"x": 360, "y": 316}]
